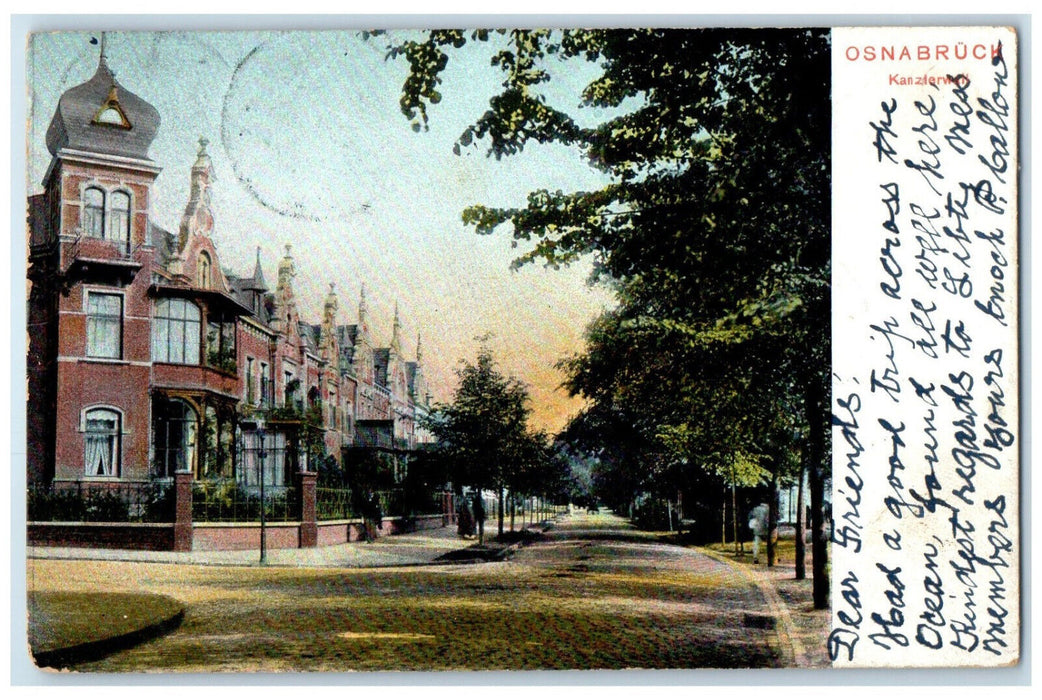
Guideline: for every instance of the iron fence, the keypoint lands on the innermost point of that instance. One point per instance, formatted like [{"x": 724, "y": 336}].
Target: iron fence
[
  {"x": 423, "y": 502},
  {"x": 109, "y": 502},
  {"x": 392, "y": 503},
  {"x": 229, "y": 501},
  {"x": 334, "y": 504}
]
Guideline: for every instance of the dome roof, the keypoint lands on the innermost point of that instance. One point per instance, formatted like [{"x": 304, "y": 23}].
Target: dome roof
[{"x": 100, "y": 116}]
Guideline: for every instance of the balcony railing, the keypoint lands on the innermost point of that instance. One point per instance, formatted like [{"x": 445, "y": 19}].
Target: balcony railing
[{"x": 86, "y": 253}]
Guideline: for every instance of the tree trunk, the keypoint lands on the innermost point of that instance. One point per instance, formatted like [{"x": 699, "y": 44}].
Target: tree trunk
[
  {"x": 772, "y": 518},
  {"x": 513, "y": 510},
  {"x": 801, "y": 547},
  {"x": 814, "y": 398},
  {"x": 734, "y": 517},
  {"x": 723, "y": 518}
]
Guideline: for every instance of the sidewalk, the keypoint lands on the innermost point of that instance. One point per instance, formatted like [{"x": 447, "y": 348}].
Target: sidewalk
[
  {"x": 408, "y": 549},
  {"x": 802, "y": 630}
]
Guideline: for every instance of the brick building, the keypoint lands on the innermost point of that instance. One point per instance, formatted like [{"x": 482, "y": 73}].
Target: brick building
[{"x": 147, "y": 357}]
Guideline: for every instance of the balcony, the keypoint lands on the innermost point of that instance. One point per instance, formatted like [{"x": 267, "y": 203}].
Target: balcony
[
  {"x": 85, "y": 256},
  {"x": 195, "y": 378}
]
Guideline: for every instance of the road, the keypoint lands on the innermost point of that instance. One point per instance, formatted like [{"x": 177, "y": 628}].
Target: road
[{"x": 592, "y": 593}]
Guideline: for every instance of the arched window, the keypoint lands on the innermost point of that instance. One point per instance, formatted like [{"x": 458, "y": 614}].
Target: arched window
[
  {"x": 119, "y": 218},
  {"x": 101, "y": 437},
  {"x": 204, "y": 270},
  {"x": 174, "y": 430},
  {"x": 176, "y": 332},
  {"x": 94, "y": 212}
]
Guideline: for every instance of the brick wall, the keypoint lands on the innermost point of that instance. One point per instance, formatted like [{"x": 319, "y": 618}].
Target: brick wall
[{"x": 151, "y": 537}]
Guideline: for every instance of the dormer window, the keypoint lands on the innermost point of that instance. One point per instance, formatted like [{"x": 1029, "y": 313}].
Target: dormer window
[{"x": 111, "y": 113}]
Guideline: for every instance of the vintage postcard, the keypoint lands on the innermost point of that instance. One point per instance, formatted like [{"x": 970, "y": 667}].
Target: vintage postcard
[{"x": 659, "y": 348}]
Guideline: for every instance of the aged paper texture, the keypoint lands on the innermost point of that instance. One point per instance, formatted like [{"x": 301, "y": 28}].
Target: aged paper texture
[{"x": 925, "y": 468}]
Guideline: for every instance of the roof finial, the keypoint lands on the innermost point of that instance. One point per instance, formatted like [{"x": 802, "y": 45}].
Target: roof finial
[
  {"x": 103, "y": 56},
  {"x": 258, "y": 273},
  {"x": 363, "y": 309},
  {"x": 331, "y": 305},
  {"x": 395, "y": 341}
]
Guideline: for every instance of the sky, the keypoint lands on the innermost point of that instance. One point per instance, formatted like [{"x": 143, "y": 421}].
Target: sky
[{"x": 310, "y": 149}]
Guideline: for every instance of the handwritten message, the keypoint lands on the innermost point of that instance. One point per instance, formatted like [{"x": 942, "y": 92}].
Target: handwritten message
[{"x": 925, "y": 540}]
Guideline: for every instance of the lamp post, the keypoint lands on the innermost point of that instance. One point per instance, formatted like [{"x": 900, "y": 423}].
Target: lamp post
[{"x": 260, "y": 457}]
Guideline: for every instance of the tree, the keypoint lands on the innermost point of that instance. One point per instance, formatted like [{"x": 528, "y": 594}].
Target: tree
[
  {"x": 483, "y": 432},
  {"x": 714, "y": 226}
]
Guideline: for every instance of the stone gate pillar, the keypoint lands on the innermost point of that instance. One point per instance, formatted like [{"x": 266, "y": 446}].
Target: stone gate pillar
[
  {"x": 306, "y": 485},
  {"x": 183, "y": 512}
]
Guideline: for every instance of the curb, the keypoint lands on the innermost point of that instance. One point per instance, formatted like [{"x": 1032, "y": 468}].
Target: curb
[
  {"x": 92, "y": 651},
  {"x": 791, "y": 647}
]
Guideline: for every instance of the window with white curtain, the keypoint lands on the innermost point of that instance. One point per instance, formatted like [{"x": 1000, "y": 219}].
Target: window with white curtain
[
  {"x": 101, "y": 442},
  {"x": 104, "y": 325}
]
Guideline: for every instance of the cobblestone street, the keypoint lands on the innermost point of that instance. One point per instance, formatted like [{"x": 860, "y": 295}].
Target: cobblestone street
[{"x": 591, "y": 593}]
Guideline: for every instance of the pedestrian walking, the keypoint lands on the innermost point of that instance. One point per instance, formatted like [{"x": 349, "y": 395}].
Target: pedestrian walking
[
  {"x": 479, "y": 515},
  {"x": 758, "y": 523},
  {"x": 372, "y": 515},
  {"x": 465, "y": 522}
]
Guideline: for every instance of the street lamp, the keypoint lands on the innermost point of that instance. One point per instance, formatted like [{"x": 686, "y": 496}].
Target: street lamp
[{"x": 261, "y": 454}]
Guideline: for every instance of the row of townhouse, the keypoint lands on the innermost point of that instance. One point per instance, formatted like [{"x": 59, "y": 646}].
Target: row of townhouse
[{"x": 146, "y": 357}]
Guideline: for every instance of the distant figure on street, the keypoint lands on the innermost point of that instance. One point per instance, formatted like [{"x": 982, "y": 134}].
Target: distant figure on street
[
  {"x": 479, "y": 515},
  {"x": 465, "y": 523},
  {"x": 758, "y": 523},
  {"x": 372, "y": 515}
]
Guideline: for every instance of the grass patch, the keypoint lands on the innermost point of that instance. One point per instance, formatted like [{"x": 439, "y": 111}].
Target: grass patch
[
  {"x": 784, "y": 551},
  {"x": 67, "y": 626}
]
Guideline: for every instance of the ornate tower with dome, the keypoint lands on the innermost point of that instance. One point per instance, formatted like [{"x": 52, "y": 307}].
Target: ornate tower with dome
[{"x": 91, "y": 251}]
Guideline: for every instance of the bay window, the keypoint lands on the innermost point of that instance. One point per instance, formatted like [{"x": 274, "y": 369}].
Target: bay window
[{"x": 176, "y": 330}]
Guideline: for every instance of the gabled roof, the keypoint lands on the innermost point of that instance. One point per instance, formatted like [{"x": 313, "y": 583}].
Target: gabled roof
[
  {"x": 346, "y": 336},
  {"x": 164, "y": 243}
]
